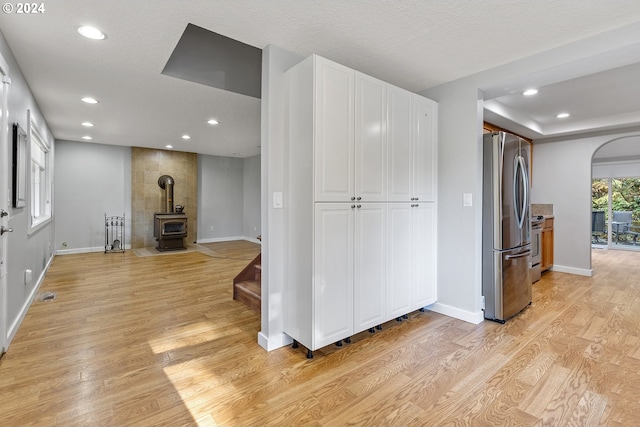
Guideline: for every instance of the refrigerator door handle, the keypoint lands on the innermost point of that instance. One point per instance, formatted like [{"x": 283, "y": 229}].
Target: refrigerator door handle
[
  {"x": 525, "y": 180},
  {"x": 521, "y": 210},
  {"x": 520, "y": 255}
]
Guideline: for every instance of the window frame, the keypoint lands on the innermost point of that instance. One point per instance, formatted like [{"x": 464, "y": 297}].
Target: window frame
[{"x": 36, "y": 141}]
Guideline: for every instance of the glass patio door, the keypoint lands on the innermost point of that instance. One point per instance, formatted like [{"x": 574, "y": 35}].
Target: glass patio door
[{"x": 615, "y": 215}]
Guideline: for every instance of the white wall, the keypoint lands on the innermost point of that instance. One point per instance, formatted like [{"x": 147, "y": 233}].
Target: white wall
[
  {"x": 251, "y": 191},
  {"x": 25, "y": 251},
  {"x": 562, "y": 176},
  {"x": 275, "y": 61},
  {"x": 91, "y": 180}
]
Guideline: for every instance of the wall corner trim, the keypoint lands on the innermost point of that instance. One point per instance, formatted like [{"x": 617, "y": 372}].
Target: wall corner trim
[
  {"x": 272, "y": 343},
  {"x": 573, "y": 270},
  {"x": 447, "y": 310}
]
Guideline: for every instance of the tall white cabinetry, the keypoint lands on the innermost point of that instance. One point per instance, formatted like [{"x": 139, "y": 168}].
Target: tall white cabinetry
[{"x": 360, "y": 203}]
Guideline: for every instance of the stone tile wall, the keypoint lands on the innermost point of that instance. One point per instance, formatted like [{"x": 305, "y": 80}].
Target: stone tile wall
[{"x": 147, "y": 198}]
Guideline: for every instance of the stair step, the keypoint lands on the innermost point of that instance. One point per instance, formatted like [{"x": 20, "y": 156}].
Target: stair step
[
  {"x": 250, "y": 286},
  {"x": 248, "y": 292}
]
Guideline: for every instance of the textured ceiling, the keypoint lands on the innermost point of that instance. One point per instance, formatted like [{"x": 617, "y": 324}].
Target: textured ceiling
[{"x": 412, "y": 44}]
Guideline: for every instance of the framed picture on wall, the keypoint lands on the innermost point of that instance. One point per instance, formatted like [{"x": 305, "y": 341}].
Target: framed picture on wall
[{"x": 19, "y": 167}]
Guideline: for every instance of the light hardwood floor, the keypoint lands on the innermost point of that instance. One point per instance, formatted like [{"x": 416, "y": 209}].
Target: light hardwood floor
[{"x": 158, "y": 340}]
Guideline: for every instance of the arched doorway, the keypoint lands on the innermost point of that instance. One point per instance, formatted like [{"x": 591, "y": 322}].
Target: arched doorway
[{"x": 615, "y": 185}]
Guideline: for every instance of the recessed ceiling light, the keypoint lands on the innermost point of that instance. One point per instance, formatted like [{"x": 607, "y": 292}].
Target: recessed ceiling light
[
  {"x": 169, "y": 146},
  {"x": 563, "y": 115},
  {"x": 530, "y": 92},
  {"x": 91, "y": 32},
  {"x": 89, "y": 100},
  {"x": 213, "y": 122},
  {"x": 186, "y": 137},
  {"x": 87, "y": 137},
  {"x": 87, "y": 124}
]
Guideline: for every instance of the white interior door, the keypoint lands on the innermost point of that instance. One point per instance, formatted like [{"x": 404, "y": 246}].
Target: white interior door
[{"x": 4, "y": 199}]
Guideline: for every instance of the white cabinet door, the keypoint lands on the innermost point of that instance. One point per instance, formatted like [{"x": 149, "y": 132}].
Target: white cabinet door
[
  {"x": 399, "y": 143},
  {"x": 369, "y": 267},
  {"x": 370, "y": 139},
  {"x": 399, "y": 267},
  {"x": 424, "y": 150},
  {"x": 333, "y": 273},
  {"x": 424, "y": 254},
  {"x": 334, "y": 132}
]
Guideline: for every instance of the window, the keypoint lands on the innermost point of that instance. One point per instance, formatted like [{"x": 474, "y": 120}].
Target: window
[{"x": 40, "y": 179}]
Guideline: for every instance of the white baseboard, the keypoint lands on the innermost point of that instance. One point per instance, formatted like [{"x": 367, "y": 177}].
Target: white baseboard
[
  {"x": 101, "y": 248},
  {"x": 228, "y": 239},
  {"x": 573, "y": 270},
  {"x": 84, "y": 250},
  {"x": 13, "y": 329},
  {"x": 447, "y": 310},
  {"x": 79, "y": 250},
  {"x": 272, "y": 343}
]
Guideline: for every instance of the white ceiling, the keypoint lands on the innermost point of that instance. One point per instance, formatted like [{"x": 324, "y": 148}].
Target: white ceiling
[{"x": 413, "y": 44}]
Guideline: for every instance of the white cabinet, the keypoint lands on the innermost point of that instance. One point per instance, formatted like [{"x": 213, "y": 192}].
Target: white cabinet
[
  {"x": 411, "y": 145},
  {"x": 399, "y": 259},
  {"x": 347, "y": 277},
  {"x": 354, "y": 257},
  {"x": 370, "y": 139},
  {"x": 423, "y": 253},
  {"x": 369, "y": 265},
  {"x": 333, "y": 273},
  {"x": 411, "y": 278},
  {"x": 423, "y": 169},
  {"x": 334, "y": 131}
]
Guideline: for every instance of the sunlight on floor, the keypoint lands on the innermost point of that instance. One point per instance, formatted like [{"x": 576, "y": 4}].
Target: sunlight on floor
[
  {"x": 196, "y": 384},
  {"x": 188, "y": 335}
]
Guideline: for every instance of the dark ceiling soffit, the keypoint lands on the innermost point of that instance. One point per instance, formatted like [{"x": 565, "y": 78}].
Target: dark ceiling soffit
[{"x": 202, "y": 56}]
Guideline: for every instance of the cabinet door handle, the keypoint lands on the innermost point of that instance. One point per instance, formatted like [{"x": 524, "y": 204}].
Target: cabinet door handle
[
  {"x": 353, "y": 206},
  {"x": 353, "y": 198},
  {"x": 359, "y": 198},
  {"x": 359, "y": 206}
]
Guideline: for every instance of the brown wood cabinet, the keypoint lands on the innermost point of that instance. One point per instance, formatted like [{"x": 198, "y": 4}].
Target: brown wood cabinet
[{"x": 547, "y": 245}]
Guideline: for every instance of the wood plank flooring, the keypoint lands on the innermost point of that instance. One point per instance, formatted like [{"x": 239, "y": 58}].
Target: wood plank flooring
[{"x": 146, "y": 341}]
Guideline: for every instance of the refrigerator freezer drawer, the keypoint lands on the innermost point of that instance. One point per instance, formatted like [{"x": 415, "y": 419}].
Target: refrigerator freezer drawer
[{"x": 509, "y": 290}]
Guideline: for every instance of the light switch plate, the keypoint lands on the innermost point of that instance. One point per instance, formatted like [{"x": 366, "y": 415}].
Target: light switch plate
[
  {"x": 467, "y": 199},
  {"x": 277, "y": 200}
]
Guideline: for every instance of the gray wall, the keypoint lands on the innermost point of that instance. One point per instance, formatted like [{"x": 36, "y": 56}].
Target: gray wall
[
  {"x": 562, "y": 176},
  {"x": 91, "y": 180},
  {"x": 251, "y": 192},
  {"x": 94, "y": 179},
  {"x": 459, "y": 167},
  {"x": 25, "y": 251},
  {"x": 220, "y": 198}
]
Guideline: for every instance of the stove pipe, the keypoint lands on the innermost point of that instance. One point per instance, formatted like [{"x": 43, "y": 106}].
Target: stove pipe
[{"x": 166, "y": 183}]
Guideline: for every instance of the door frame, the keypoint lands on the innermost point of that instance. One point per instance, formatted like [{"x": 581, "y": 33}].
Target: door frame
[{"x": 4, "y": 198}]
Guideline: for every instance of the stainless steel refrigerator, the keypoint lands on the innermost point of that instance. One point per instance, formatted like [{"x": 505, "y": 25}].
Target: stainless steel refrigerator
[{"x": 506, "y": 226}]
